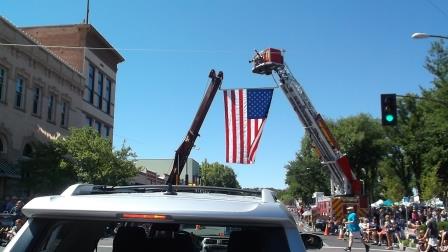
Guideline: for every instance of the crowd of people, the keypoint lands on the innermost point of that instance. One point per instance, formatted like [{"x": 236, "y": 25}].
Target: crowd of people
[
  {"x": 390, "y": 226},
  {"x": 12, "y": 218}
]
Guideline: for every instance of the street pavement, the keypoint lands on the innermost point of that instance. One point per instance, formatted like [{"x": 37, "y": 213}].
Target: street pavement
[{"x": 332, "y": 243}]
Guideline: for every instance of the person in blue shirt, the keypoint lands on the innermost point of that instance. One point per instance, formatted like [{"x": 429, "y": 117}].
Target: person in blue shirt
[{"x": 354, "y": 231}]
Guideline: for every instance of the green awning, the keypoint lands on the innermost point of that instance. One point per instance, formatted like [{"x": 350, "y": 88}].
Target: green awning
[{"x": 8, "y": 170}]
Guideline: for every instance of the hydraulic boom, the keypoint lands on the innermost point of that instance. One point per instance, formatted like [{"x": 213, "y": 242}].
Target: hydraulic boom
[{"x": 184, "y": 149}]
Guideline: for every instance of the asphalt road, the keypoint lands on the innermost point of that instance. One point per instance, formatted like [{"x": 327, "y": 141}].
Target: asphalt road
[{"x": 332, "y": 243}]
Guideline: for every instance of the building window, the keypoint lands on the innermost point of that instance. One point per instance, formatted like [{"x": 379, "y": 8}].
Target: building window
[
  {"x": 2, "y": 84},
  {"x": 51, "y": 108},
  {"x": 106, "y": 131},
  {"x": 2, "y": 145},
  {"x": 98, "y": 127},
  {"x": 108, "y": 94},
  {"x": 27, "y": 151},
  {"x": 89, "y": 121},
  {"x": 20, "y": 92},
  {"x": 100, "y": 90},
  {"x": 64, "y": 114},
  {"x": 36, "y": 100},
  {"x": 91, "y": 83}
]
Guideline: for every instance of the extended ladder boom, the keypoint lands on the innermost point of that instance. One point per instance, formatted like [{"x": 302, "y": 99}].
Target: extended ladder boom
[{"x": 342, "y": 178}]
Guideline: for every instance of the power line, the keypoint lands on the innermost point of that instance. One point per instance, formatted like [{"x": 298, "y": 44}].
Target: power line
[
  {"x": 438, "y": 8},
  {"x": 117, "y": 49}
]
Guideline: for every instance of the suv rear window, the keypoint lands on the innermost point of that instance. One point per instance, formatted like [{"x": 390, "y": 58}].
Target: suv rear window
[{"x": 105, "y": 236}]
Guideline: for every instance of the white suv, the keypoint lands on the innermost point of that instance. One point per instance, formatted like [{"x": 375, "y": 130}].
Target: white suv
[{"x": 159, "y": 218}]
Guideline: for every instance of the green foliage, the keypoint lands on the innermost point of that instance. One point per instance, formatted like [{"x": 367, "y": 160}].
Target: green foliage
[
  {"x": 390, "y": 160},
  {"x": 360, "y": 137},
  {"x": 286, "y": 197},
  {"x": 431, "y": 184},
  {"x": 306, "y": 175},
  {"x": 363, "y": 140},
  {"x": 43, "y": 173},
  {"x": 443, "y": 225},
  {"x": 83, "y": 156},
  {"x": 217, "y": 174},
  {"x": 93, "y": 159}
]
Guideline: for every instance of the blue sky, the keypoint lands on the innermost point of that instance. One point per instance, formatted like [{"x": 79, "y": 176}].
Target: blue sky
[{"x": 345, "y": 53}]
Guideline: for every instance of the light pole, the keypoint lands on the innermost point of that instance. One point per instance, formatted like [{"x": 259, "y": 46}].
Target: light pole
[{"x": 420, "y": 35}]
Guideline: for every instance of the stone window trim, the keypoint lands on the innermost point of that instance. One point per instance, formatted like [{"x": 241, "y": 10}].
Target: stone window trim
[
  {"x": 23, "y": 96},
  {"x": 95, "y": 97},
  {"x": 64, "y": 114},
  {"x": 4, "y": 63},
  {"x": 51, "y": 118},
  {"x": 40, "y": 101},
  {"x": 3, "y": 144},
  {"x": 5, "y": 85}
]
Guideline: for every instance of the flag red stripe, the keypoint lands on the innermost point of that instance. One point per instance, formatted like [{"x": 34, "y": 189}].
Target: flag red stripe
[
  {"x": 257, "y": 127},
  {"x": 241, "y": 102},
  {"x": 249, "y": 130},
  {"x": 256, "y": 141},
  {"x": 233, "y": 127},
  {"x": 226, "y": 125}
]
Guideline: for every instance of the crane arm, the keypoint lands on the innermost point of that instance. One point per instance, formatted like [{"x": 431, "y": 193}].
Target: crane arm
[{"x": 184, "y": 149}]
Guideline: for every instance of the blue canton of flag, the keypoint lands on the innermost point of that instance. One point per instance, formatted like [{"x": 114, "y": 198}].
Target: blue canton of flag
[
  {"x": 258, "y": 103},
  {"x": 246, "y": 111}
]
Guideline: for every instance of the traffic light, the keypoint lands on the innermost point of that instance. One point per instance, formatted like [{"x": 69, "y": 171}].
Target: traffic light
[{"x": 389, "y": 109}]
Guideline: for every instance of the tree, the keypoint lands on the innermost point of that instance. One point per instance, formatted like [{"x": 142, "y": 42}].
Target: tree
[
  {"x": 435, "y": 107},
  {"x": 83, "y": 156},
  {"x": 306, "y": 175},
  {"x": 402, "y": 167},
  {"x": 93, "y": 159},
  {"x": 362, "y": 139},
  {"x": 217, "y": 174},
  {"x": 43, "y": 174}
]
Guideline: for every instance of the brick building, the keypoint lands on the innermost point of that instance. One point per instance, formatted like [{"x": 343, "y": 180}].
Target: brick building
[{"x": 50, "y": 80}]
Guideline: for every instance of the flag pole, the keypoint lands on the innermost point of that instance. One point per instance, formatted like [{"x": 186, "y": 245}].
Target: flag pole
[{"x": 88, "y": 9}]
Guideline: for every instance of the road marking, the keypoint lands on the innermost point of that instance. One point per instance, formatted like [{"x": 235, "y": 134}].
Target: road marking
[{"x": 371, "y": 249}]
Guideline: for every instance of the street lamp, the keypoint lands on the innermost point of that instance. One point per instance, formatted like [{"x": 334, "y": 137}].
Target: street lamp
[{"x": 420, "y": 35}]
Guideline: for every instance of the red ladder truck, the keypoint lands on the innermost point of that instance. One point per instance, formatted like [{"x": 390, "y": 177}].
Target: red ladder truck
[{"x": 346, "y": 189}]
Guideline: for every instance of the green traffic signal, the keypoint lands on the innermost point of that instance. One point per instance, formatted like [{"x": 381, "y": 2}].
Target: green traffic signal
[
  {"x": 388, "y": 109},
  {"x": 390, "y": 118}
]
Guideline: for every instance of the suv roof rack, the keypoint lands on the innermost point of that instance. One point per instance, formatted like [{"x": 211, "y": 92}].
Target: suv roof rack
[{"x": 86, "y": 189}]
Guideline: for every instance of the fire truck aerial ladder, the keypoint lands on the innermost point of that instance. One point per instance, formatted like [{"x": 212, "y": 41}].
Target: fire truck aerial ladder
[
  {"x": 343, "y": 180},
  {"x": 184, "y": 149}
]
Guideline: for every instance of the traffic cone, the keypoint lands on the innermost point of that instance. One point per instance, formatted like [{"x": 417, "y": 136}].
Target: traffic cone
[
  {"x": 326, "y": 232},
  {"x": 341, "y": 234}
]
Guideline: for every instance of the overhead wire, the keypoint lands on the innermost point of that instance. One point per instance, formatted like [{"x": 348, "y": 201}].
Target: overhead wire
[
  {"x": 116, "y": 49},
  {"x": 438, "y": 8}
]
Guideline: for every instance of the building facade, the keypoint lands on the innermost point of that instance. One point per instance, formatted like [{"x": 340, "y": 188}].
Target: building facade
[
  {"x": 162, "y": 167},
  {"x": 44, "y": 90}
]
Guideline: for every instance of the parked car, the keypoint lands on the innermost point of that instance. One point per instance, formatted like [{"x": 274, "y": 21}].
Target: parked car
[{"x": 159, "y": 218}]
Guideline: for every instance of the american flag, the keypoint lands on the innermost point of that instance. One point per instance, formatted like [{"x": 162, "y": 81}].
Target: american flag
[{"x": 246, "y": 111}]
